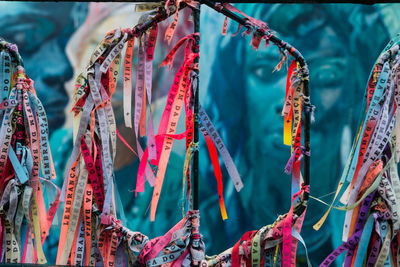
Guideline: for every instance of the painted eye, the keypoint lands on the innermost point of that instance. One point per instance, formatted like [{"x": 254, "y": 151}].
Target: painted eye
[
  {"x": 260, "y": 71},
  {"x": 263, "y": 64}
]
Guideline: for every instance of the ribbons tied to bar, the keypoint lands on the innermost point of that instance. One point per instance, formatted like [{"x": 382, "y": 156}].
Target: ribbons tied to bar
[{"x": 28, "y": 202}]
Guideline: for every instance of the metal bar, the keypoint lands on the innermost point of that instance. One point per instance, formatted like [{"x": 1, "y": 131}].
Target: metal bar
[
  {"x": 161, "y": 15},
  {"x": 196, "y": 49},
  {"x": 307, "y": 105}
]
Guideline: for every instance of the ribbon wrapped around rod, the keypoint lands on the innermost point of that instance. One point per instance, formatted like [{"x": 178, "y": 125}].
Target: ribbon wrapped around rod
[
  {"x": 267, "y": 246},
  {"x": 24, "y": 156},
  {"x": 182, "y": 245},
  {"x": 372, "y": 195}
]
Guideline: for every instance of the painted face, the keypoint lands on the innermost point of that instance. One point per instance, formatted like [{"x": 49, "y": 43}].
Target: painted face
[{"x": 40, "y": 31}]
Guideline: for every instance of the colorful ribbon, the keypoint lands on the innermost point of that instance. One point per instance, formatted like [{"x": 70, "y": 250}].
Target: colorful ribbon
[
  {"x": 24, "y": 156},
  {"x": 371, "y": 173}
]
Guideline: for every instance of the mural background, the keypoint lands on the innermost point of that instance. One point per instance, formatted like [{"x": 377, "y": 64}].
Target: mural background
[{"x": 241, "y": 94}]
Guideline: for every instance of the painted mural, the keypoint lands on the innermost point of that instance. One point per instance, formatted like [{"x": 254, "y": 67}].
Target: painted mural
[{"x": 238, "y": 88}]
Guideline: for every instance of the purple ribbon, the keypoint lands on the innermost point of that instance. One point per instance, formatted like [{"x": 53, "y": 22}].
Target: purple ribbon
[
  {"x": 352, "y": 242},
  {"x": 289, "y": 164}
]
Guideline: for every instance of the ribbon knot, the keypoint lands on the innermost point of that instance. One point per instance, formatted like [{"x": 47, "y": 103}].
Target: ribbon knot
[
  {"x": 304, "y": 151},
  {"x": 219, "y": 7},
  {"x": 305, "y": 188},
  {"x": 195, "y": 147},
  {"x": 12, "y": 47},
  {"x": 9, "y": 200},
  {"x": 292, "y": 159},
  {"x": 308, "y": 107},
  {"x": 266, "y": 37},
  {"x": 107, "y": 219},
  {"x": 129, "y": 31}
]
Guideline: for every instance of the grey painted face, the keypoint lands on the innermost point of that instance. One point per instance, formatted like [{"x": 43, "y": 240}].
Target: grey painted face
[{"x": 41, "y": 31}]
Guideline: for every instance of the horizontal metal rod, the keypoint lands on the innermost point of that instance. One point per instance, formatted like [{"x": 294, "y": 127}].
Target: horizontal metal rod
[
  {"x": 161, "y": 16},
  {"x": 244, "y": 21}
]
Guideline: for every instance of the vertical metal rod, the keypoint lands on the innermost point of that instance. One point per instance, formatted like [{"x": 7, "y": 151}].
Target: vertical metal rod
[{"x": 196, "y": 48}]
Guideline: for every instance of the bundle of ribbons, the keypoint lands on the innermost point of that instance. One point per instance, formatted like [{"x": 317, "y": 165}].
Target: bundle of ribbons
[
  {"x": 88, "y": 191},
  {"x": 182, "y": 245},
  {"x": 270, "y": 246},
  {"x": 370, "y": 178},
  {"x": 25, "y": 157},
  {"x": 90, "y": 231}
]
